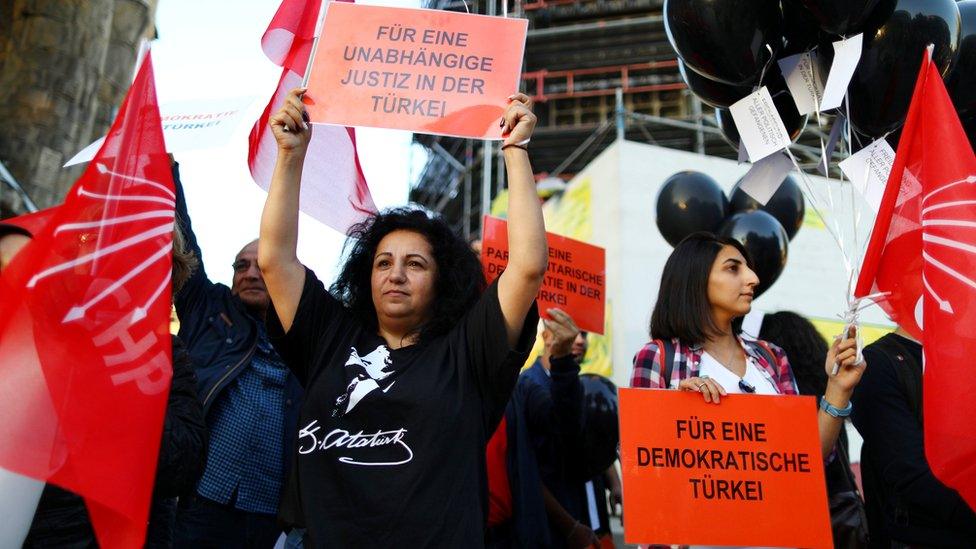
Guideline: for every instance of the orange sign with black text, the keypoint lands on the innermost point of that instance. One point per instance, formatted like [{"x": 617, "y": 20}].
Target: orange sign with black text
[
  {"x": 575, "y": 280},
  {"x": 426, "y": 71},
  {"x": 745, "y": 472}
]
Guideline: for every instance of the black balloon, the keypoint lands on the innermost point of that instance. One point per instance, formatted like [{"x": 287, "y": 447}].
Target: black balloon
[
  {"x": 601, "y": 434},
  {"x": 712, "y": 92},
  {"x": 724, "y": 40},
  {"x": 801, "y": 32},
  {"x": 840, "y": 17},
  {"x": 969, "y": 125},
  {"x": 723, "y": 117},
  {"x": 765, "y": 240},
  {"x": 786, "y": 205},
  {"x": 961, "y": 80},
  {"x": 882, "y": 86},
  {"x": 689, "y": 202}
]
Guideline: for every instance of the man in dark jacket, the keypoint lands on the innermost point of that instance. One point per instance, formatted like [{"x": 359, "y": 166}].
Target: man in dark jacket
[
  {"x": 250, "y": 401},
  {"x": 906, "y": 505},
  {"x": 551, "y": 397}
]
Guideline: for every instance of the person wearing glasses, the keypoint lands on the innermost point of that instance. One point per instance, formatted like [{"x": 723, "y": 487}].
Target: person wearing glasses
[
  {"x": 707, "y": 283},
  {"x": 250, "y": 401}
]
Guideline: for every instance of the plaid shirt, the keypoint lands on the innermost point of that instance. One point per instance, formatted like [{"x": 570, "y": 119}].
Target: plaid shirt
[
  {"x": 687, "y": 363},
  {"x": 244, "y": 457}
]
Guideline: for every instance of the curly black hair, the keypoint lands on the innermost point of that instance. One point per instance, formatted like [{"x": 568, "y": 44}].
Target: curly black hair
[
  {"x": 459, "y": 280},
  {"x": 805, "y": 348}
]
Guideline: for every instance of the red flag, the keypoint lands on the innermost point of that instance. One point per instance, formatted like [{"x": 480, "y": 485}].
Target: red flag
[
  {"x": 334, "y": 189},
  {"x": 923, "y": 253},
  {"x": 84, "y": 329},
  {"x": 32, "y": 222}
]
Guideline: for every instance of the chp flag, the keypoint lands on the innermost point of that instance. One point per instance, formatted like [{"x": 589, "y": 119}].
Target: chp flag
[
  {"x": 334, "y": 189},
  {"x": 922, "y": 256},
  {"x": 85, "y": 357}
]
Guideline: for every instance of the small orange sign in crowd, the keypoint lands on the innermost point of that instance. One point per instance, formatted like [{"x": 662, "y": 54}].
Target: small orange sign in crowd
[
  {"x": 575, "y": 281},
  {"x": 746, "y": 472},
  {"x": 428, "y": 71}
]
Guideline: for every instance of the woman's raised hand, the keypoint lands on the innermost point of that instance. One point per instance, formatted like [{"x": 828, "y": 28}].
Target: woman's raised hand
[
  {"x": 518, "y": 122},
  {"x": 290, "y": 125},
  {"x": 705, "y": 385},
  {"x": 843, "y": 369}
]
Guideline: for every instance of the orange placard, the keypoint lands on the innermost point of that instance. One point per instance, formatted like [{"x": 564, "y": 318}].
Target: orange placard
[
  {"x": 427, "y": 71},
  {"x": 746, "y": 472},
  {"x": 575, "y": 281}
]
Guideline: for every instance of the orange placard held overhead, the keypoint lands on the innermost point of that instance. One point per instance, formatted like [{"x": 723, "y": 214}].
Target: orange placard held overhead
[
  {"x": 746, "y": 472},
  {"x": 426, "y": 71},
  {"x": 575, "y": 280}
]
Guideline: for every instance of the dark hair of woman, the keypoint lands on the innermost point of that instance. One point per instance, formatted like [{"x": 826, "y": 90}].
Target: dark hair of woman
[
  {"x": 804, "y": 345},
  {"x": 682, "y": 310},
  {"x": 184, "y": 261},
  {"x": 459, "y": 281}
]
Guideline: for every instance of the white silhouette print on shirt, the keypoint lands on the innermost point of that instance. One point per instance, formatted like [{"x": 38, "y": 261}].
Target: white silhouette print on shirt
[{"x": 369, "y": 373}]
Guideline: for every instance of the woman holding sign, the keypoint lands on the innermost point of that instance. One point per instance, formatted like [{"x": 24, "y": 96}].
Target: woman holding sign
[
  {"x": 407, "y": 364},
  {"x": 707, "y": 283}
]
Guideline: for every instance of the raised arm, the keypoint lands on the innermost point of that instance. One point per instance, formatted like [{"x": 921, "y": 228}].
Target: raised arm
[
  {"x": 277, "y": 256},
  {"x": 528, "y": 253},
  {"x": 192, "y": 297}
]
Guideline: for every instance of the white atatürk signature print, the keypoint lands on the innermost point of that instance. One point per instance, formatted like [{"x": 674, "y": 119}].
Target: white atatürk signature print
[{"x": 309, "y": 441}]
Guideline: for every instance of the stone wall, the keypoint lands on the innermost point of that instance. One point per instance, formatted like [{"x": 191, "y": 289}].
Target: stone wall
[{"x": 64, "y": 67}]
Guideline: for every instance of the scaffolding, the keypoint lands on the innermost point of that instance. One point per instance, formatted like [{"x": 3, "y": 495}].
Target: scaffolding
[{"x": 597, "y": 70}]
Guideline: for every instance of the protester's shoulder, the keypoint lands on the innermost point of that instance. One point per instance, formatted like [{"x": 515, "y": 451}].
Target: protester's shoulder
[
  {"x": 879, "y": 365},
  {"x": 647, "y": 371},
  {"x": 647, "y": 351},
  {"x": 876, "y": 356}
]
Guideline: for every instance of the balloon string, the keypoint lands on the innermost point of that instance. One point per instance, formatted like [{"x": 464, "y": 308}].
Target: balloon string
[
  {"x": 855, "y": 211},
  {"x": 826, "y": 161},
  {"x": 762, "y": 75},
  {"x": 805, "y": 179}
]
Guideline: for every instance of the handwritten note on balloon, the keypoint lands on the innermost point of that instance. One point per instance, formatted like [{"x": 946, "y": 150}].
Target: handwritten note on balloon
[
  {"x": 760, "y": 127},
  {"x": 868, "y": 170},
  {"x": 804, "y": 81}
]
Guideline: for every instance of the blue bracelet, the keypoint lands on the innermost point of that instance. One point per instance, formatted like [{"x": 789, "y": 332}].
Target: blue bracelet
[{"x": 835, "y": 411}]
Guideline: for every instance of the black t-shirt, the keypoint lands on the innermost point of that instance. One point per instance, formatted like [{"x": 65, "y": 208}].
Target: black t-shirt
[{"x": 391, "y": 443}]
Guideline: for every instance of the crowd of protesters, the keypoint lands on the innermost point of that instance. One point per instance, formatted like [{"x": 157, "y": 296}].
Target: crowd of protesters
[{"x": 389, "y": 410}]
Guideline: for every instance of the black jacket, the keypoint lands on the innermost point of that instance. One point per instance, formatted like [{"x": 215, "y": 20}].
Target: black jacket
[
  {"x": 553, "y": 410},
  {"x": 529, "y": 523},
  {"x": 62, "y": 520},
  {"x": 905, "y": 502},
  {"x": 220, "y": 333}
]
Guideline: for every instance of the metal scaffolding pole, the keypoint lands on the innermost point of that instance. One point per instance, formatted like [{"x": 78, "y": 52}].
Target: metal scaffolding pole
[
  {"x": 468, "y": 160},
  {"x": 486, "y": 158},
  {"x": 621, "y": 113},
  {"x": 696, "y": 109}
]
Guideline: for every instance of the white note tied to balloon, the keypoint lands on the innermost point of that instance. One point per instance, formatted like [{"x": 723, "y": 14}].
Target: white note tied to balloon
[
  {"x": 760, "y": 127},
  {"x": 803, "y": 78},
  {"x": 868, "y": 170},
  {"x": 764, "y": 177},
  {"x": 847, "y": 54}
]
